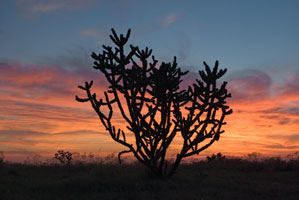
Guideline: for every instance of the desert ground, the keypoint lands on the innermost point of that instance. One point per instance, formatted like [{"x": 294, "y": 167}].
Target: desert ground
[{"x": 230, "y": 178}]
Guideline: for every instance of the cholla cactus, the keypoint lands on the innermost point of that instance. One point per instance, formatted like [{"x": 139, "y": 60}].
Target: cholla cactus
[
  {"x": 154, "y": 108},
  {"x": 64, "y": 157}
]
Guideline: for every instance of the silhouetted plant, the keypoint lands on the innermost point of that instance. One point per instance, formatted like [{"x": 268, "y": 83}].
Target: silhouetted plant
[
  {"x": 254, "y": 156},
  {"x": 155, "y": 109},
  {"x": 84, "y": 157},
  {"x": 64, "y": 157},
  {"x": 217, "y": 156},
  {"x": 1, "y": 157},
  {"x": 293, "y": 156}
]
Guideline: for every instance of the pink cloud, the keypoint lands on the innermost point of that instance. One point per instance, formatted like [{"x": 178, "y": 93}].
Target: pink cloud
[
  {"x": 48, "y": 6},
  {"x": 171, "y": 18},
  {"x": 290, "y": 89},
  {"x": 32, "y": 82},
  {"x": 250, "y": 85},
  {"x": 90, "y": 32},
  {"x": 261, "y": 109},
  {"x": 39, "y": 112}
]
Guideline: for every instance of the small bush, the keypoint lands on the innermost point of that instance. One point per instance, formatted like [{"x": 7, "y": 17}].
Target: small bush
[
  {"x": 64, "y": 157},
  {"x": 293, "y": 157},
  {"x": 254, "y": 156},
  {"x": 217, "y": 156},
  {"x": 1, "y": 157}
]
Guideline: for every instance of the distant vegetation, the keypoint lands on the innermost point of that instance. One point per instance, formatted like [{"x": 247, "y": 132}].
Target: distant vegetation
[
  {"x": 213, "y": 157},
  {"x": 64, "y": 157},
  {"x": 221, "y": 177},
  {"x": 1, "y": 158}
]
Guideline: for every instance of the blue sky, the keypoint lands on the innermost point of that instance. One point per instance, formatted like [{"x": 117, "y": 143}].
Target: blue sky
[{"x": 241, "y": 34}]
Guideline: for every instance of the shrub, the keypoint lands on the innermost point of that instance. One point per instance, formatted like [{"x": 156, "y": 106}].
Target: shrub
[
  {"x": 217, "y": 156},
  {"x": 64, "y": 157},
  {"x": 1, "y": 157}
]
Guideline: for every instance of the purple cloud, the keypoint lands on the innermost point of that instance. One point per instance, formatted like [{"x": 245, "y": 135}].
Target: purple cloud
[
  {"x": 291, "y": 86},
  {"x": 250, "y": 85},
  {"x": 283, "y": 110},
  {"x": 280, "y": 147},
  {"x": 32, "y": 82}
]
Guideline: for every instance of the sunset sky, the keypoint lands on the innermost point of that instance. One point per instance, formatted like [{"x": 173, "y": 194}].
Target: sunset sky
[{"x": 45, "y": 48}]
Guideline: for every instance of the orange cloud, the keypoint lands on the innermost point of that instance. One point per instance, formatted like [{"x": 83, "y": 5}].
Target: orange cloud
[
  {"x": 40, "y": 115},
  {"x": 38, "y": 103},
  {"x": 262, "y": 113}
]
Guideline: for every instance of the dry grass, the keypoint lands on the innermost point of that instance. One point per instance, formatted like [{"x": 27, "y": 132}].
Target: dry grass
[{"x": 219, "y": 179}]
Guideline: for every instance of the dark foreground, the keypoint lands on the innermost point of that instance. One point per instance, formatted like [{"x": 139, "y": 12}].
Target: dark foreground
[{"x": 228, "y": 179}]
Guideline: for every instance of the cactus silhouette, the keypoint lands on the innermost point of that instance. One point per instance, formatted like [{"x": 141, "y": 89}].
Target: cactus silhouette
[
  {"x": 153, "y": 106},
  {"x": 217, "y": 156},
  {"x": 64, "y": 157},
  {"x": 1, "y": 157}
]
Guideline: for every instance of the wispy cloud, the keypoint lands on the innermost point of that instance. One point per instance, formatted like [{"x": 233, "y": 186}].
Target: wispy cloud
[
  {"x": 249, "y": 85},
  {"x": 184, "y": 46},
  {"x": 39, "y": 112},
  {"x": 22, "y": 143},
  {"x": 262, "y": 107},
  {"x": 74, "y": 59},
  {"x": 281, "y": 146},
  {"x": 289, "y": 138},
  {"x": 171, "y": 18},
  {"x": 92, "y": 33},
  {"x": 48, "y": 6},
  {"x": 283, "y": 110},
  {"x": 44, "y": 84},
  {"x": 291, "y": 87}
]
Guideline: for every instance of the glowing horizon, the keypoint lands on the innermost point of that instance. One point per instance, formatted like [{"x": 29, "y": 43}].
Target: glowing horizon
[{"x": 41, "y": 116}]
